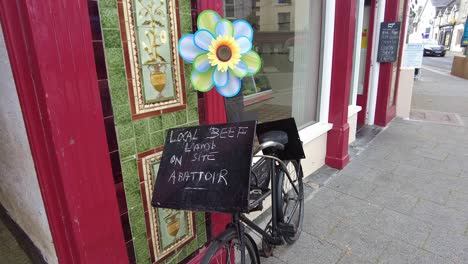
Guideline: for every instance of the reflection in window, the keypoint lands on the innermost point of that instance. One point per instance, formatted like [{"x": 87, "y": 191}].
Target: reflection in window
[
  {"x": 288, "y": 39},
  {"x": 235, "y": 9},
  {"x": 284, "y": 21}
]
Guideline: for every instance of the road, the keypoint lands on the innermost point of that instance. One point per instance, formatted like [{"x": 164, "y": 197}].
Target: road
[{"x": 439, "y": 63}]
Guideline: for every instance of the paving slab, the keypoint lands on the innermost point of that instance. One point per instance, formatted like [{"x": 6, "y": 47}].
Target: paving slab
[
  {"x": 309, "y": 248},
  {"x": 393, "y": 199},
  {"x": 361, "y": 241},
  {"x": 398, "y": 252},
  {"x": 426, "y": 257},
  {"x": 349, "y": 258},
  {"x": 449, "y": 245},
  {"x": 405, "y": 228},
  {"x": 439, "y": 216}
]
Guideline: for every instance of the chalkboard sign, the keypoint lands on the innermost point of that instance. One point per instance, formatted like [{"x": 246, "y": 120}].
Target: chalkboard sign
[
  {"x": 389, "y": 41},
  {"x": 206, "y": 168}
]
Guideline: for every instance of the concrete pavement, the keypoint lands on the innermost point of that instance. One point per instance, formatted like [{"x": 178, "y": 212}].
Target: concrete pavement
[{"x": 404, "y": 199}]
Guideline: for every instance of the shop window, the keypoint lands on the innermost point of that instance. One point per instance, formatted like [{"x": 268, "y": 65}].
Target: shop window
[{"x": 288, "y": 39}]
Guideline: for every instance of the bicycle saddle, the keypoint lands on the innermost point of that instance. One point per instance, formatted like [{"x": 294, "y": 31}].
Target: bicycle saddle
[{"x": 275, "y": 136}]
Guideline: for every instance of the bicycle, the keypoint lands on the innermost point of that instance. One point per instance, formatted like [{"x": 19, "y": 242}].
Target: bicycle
[{"x": 234, "y": 245}]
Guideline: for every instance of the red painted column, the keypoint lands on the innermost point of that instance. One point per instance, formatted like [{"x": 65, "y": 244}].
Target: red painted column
[
  {"x": 215, "y": 112},
  {"x": 385, "y": 112},
  {"x": 337, "y": 141},
  {"x": 49, "y": 46}
]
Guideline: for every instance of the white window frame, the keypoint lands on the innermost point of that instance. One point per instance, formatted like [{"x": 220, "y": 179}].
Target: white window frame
[
  {"x": 281, "y": 23},
  {"x": 357, "y": 52},
  {"x": 322, "y": 126},
  {"x": 234, "y": 5}
]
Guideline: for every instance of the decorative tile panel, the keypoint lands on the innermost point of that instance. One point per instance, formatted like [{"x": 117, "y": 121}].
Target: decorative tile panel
[
  {"x": 137, "y": 138},
  {"x": 170, "y": 229},
  {"x": 150, "y": 32}
]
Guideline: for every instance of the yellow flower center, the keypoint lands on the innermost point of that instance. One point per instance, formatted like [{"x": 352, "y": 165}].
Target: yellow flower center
[{"x": 224, "y": 52}]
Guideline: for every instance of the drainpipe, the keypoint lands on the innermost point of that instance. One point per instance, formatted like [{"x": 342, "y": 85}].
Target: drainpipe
[{"x": 375, "y": 66}]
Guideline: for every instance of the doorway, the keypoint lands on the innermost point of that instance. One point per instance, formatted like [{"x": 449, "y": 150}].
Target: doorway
[{"x": 364, "y": 63}]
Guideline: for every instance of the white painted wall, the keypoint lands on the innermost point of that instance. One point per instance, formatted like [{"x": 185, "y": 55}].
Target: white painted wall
[
  {"x": 375, "y": 65},
  {"x": 405, "y": 93},
  {"x": 457, "y": 34},
  {"x": 19, "y": 188}
]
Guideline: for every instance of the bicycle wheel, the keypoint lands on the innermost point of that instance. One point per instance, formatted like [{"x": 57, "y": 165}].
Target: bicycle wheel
[
  {"x": 226, "y": 249},
  {"x": 290, "y": 200}
]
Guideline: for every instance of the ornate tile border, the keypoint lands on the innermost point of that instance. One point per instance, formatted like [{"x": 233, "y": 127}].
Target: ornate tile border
[{"x": 150, "y": 30}]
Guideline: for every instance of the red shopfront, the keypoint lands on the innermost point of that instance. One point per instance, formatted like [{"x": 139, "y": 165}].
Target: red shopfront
[
  {"x": 96, "y": 145},
  {"x": 377, "y": 87}
]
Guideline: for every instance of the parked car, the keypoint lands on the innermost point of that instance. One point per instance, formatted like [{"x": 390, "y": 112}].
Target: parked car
[{"x": 432, "y": 48}]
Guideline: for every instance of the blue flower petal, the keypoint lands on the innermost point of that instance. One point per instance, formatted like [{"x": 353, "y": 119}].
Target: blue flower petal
[
  {"x": 232, "y": 88},
  {"x": 203, "y": 39},
  {"x": 245, "y": 45},
  {"x": 224, "y": 28},
  {"x": 220, "y": 79},
  {"x": 240, "y": 70},
  {"x": 202, "y": 63},
  {"x": 242, "y": 28},
  {"x": 187, "y": 49}
]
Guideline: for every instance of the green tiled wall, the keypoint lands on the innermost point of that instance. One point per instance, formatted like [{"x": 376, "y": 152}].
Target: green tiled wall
[{"x": 145, "y": 134}]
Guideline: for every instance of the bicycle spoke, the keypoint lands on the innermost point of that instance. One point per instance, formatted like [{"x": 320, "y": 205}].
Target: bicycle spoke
[{"x": 292, "y": 213}]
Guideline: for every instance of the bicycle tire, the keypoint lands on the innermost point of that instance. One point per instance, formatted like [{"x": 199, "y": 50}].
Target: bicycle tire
[
  {"x": 283, "y": 193},
  {"x": 218, "y": 250}
]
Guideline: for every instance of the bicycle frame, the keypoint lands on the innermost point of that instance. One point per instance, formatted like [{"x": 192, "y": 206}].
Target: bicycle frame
[{"x": 239, "y": 219}]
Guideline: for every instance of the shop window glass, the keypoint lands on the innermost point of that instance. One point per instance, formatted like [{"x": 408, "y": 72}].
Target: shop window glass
[{"x": 288, "y": 39}]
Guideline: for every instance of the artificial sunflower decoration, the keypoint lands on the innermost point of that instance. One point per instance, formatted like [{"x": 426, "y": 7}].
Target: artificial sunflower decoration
[{"x": 221, "y": 54}]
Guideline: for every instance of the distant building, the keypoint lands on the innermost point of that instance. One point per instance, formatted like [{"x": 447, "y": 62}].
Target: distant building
[
  {"x": 449, "y": 22},
  {"x": 422, "y": 23}
]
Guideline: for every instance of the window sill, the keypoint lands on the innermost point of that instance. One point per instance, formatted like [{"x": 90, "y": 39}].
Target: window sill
[
  {"x": 314, "y": 131},
  {"x": 353, "y": 109}
]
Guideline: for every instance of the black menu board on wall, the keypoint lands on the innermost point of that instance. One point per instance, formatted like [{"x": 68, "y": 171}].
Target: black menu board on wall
[
  {"x": 206, "y": 168},
  {"x": 389, "y": 41}
]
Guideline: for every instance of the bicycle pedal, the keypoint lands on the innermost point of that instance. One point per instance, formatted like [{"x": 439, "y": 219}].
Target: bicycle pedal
[{"x": 286, "y": 229}]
